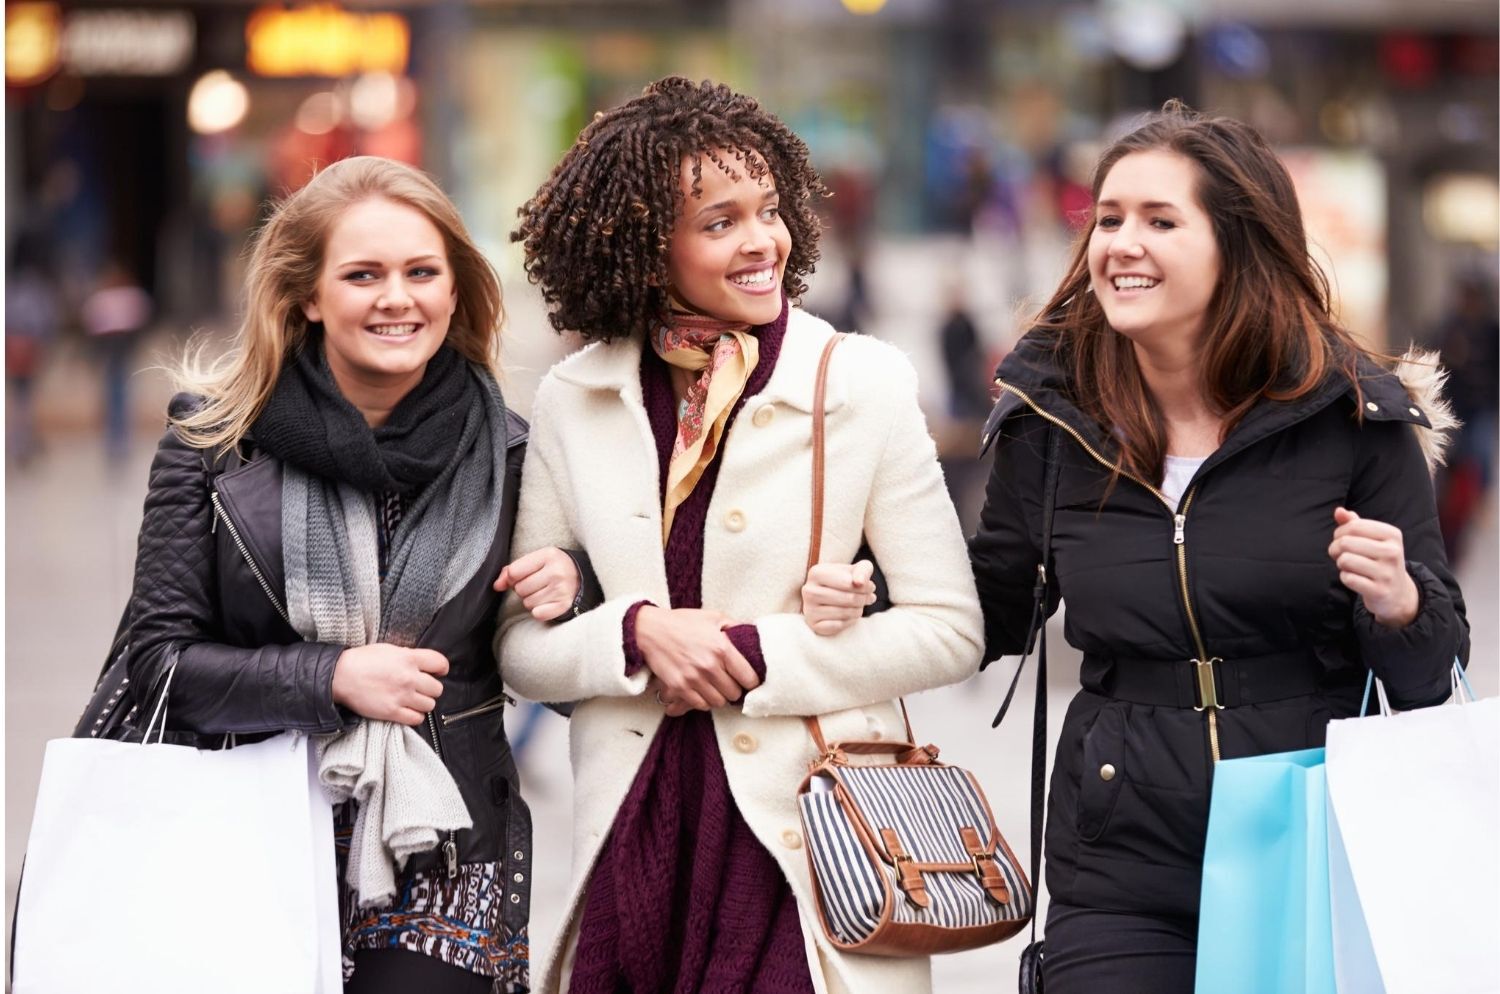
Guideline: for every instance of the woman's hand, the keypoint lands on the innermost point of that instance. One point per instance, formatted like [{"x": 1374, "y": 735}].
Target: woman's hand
[
  {"x": 388, "y": 682},
  {"x": 836, "y": 595},
  {"x": 1371, "y": 558},
  {"x": 546, "y": 580},
  {"x": 692, "y": 661}
]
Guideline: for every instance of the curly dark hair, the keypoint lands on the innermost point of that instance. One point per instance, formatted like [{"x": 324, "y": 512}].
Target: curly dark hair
[{"x": 597, "y": 232}]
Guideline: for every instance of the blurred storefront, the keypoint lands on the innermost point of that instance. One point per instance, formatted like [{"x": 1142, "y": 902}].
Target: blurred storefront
[
  {"x": 152, "y": 136},
  {"x": 156, "y": 132}
]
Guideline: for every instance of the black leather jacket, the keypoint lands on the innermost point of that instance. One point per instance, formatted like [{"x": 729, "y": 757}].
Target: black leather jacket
[{"x": 209, "y": 593}]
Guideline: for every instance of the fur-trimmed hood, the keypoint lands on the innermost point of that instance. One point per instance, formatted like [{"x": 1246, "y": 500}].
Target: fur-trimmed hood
[
  {"x": 1423, "y": 377},
  {"x": 1032, "y": 376}
]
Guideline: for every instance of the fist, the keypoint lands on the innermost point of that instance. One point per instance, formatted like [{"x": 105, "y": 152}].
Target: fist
[
  {"x": 389, "y": 682},
  {"x": 1371, "y": 558},
  {"x": 546, "y": 580},
  {"x": 836, "y": 595}
]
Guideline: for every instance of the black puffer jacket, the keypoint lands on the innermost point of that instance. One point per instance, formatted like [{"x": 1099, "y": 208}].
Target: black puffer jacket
[
  {"x": 1247, "y": 549},
  {"x": 210, "y": 593}
]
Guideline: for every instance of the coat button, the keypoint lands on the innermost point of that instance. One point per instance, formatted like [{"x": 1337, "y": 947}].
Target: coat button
[
  {"x": 764, "y": 415},
  {"x": 1371, "y": 406},
  {"x": 519, "y": 854},
  {"x": 745, "y": 743},
  {"x": 515, "y": 899},
  {"x": 792, "y": 839},
  {"x": 1107, "y": 772},
  {"x": 1416, "y": 413},
  {"x": 735, "y": 520},
  {"x": 519, "y": 878}
]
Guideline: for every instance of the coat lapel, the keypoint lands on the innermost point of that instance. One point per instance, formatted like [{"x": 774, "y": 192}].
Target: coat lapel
[
  {"x": 792, "y": 381},
  {"x": 620, "y": 490}
]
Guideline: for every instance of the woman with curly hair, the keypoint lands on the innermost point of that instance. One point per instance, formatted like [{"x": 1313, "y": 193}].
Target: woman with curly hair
[{"x": 677, "y": 235}]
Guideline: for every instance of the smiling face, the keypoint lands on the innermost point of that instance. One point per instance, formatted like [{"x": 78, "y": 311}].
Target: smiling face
[
  {"x": 729, "y": 246},
  {"x": 1153, "y": 257},
  {"x": 385, "y": 297}
]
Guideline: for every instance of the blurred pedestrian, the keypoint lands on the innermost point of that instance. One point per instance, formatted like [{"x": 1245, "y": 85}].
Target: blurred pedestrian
[
  {"x": 968, "y": 375},
  {"x": 327, "y": 512},
  {"x": 1244, "y": 525},
  {"x": 114, "y": 316},
  {"x": 1468, "y": 340},
  {"x": 851, "y": 209},
  {"x": 31, "y": 322},
  {"x": 677, "y": 234}
]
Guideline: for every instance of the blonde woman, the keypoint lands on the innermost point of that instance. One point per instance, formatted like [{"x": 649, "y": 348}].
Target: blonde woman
[{"x": 327, "y": 512}]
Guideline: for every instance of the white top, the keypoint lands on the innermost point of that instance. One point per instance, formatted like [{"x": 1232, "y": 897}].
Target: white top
[{"x": 1180, "y": 470}]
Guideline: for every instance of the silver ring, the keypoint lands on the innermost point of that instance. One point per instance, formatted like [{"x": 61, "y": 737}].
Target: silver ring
[{"x": 659, "y": 700}]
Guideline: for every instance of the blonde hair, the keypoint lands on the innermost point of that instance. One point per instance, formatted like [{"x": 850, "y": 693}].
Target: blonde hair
[{"x": 285, "y": 262}]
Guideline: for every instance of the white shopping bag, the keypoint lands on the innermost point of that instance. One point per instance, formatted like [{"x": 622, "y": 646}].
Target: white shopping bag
[
  {"x": 172, "y": 870},
  {"x": 1415, "y": 798}
]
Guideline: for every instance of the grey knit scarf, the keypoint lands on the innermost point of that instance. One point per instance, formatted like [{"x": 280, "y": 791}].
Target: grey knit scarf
[{"x": 335, "y": 595}]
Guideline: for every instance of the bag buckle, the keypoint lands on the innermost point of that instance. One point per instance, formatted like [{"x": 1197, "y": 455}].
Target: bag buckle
[{"x": 1208, "y": 687}]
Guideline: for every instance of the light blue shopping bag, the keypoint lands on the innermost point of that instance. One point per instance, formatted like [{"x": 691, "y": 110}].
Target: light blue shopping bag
[{"x": 1264, "y": 925}]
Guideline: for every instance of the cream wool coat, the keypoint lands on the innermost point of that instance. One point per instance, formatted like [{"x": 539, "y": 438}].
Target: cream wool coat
[{"x": 590, "y": 482}]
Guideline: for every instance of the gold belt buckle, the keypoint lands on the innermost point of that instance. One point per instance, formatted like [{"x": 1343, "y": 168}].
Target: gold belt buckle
[{"x": 1208, "y": 689}]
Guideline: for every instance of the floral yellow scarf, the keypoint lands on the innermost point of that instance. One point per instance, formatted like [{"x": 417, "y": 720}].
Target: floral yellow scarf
[{"x": 724, "y": 354}]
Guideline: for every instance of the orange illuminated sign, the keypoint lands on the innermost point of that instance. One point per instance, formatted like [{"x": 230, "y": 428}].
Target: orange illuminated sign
[
  {"x": 325, "y": 40},
  {"x": 33, "y": 42}
]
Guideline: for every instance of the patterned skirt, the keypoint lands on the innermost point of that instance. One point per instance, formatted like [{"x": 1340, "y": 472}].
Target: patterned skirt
[{"x": 457, "y": 921}]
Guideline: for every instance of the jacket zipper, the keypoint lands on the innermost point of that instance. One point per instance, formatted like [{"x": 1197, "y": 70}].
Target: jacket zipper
[
  {"x": 1179, "y": 539},
  {"x": 450, "y": 847},
  {"x": 493, "y": 704},
  {"x": 244, "y": 551}
]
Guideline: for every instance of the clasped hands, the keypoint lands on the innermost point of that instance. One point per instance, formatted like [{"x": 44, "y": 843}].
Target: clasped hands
[
  {"x": 694, "y": 665},
  {"x": 402, "y": 684}
]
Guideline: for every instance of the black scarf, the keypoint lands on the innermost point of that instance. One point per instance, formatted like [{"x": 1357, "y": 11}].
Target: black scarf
[{"x": 307, "y": 422}]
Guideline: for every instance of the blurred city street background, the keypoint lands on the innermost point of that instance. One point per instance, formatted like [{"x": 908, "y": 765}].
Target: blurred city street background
[{"x": 142, "y": 142}]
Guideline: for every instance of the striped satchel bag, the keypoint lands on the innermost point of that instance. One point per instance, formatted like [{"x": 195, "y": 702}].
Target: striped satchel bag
[{"x": 904, "y": 854}]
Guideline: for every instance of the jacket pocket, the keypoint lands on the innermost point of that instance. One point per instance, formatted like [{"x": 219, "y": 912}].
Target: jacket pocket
[
  {"x": 496, "y": 703},
  {"x": 1103, "y": 771}
]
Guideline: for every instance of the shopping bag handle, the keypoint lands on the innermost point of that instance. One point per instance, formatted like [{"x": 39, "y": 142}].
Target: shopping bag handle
[
  {"x": 161, "y": 710},
  {"x": 1463, "y": 691}
]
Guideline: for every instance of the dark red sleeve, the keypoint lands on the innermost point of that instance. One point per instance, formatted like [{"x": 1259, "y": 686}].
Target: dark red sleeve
[
  {"x": 634, "y": 658},
  {"x": 746, "y": 638}
]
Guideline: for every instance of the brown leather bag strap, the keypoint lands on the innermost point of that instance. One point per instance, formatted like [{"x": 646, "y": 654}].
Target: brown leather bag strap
[
  {"x": 815, "y": 545},
  {"x": 820, "y": 389},
  {"x": 816, "y": 731}
]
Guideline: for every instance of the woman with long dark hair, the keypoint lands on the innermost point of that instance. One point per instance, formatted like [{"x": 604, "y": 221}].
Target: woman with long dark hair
[{"x": 1243, "y": 524}]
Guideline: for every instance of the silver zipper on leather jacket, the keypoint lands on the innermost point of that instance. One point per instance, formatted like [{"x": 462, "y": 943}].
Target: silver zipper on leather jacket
[
  {"x": 450, "y": 847},
  {"x": 240, "y": 544},
  {"x": 493, "y": 704}
]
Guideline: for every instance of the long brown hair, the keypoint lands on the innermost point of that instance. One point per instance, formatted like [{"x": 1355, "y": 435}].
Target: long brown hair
[
  {"x": 1268, "y": 332},
  {"x": 282, "y": 275}
]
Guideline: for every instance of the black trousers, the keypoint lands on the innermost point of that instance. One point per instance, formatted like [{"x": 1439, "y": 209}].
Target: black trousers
[
  {"x": 401, "y": 971},
  {"x": 1093, "y": 952}
]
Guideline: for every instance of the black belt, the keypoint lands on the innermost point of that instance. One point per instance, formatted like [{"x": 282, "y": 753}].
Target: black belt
[{"x": 1223, "y": 683}]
